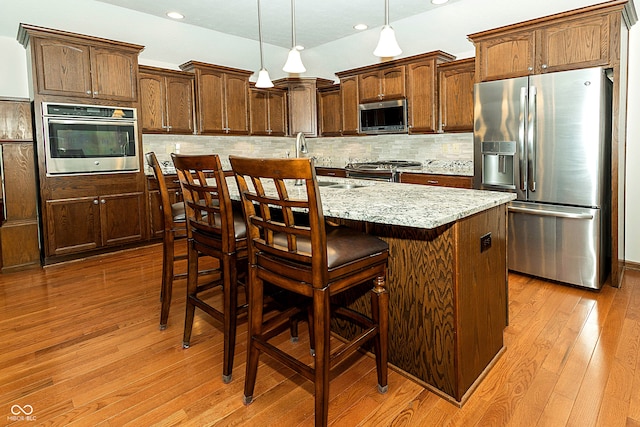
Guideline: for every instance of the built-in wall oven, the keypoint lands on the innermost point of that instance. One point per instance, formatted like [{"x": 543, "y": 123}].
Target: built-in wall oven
[{"x": 87, "y": 139}]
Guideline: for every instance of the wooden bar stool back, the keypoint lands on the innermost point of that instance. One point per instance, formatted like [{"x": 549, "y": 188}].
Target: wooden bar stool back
[
  {"x": 214, "y": 230},
  {"x": 312, "y": 259},
  {"x": 174, "y": 223}
]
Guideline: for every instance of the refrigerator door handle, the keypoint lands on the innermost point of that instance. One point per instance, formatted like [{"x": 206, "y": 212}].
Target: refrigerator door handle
[
  {"x": 539, "y": 212},
  {"x": 521, "y": 137},
  {"x": 531, "y": 139}
]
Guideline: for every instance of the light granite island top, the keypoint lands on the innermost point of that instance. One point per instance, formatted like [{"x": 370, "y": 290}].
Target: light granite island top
[
  {"x": 390, "y": 203},
  {"x": 447, "y": 275}
]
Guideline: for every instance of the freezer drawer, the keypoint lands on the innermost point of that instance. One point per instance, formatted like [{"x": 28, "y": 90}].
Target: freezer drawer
[{"x": 557, "y": 242}]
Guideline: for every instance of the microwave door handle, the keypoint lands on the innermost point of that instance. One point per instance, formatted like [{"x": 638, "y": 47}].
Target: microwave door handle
[
  {"x": 532, "y": 138},
  {"x": 521, "y": 137}
]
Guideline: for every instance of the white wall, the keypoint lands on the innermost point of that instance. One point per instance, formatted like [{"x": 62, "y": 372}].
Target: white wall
[
  {"x": 632, "y": 232},
  {"x": 169, "y": 44}
]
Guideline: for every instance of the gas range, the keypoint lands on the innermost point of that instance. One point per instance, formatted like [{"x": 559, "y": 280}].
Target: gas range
[{"x": 381, "y": 170}]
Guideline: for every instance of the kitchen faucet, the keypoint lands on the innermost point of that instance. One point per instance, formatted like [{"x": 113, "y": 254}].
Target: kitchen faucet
[{"x": 301, "y": 148}]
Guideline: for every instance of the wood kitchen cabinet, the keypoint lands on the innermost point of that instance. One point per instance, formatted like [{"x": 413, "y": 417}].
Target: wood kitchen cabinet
[
  {"x": 166, "y": 101},
  {"x": 268, "y": 112},
  {"x": 456, "y": 79},
  {"x": 19, "y": 240},
  {"x": 302, "y": 103},
  {"x": 349, "y": 105},
  {"x": 457, "y": 181},
  {"x": 222, "y": 98},
  {"x": 67, "y": 64},
  {"x": 422, "y": 91},
  {"x": 570, "y": 40},
  {"x": 414, "y": 77},
  {"x": 330, "y": 111},
  {"x": 80, "y": 224},
  {"x": 382, "y": 84}
]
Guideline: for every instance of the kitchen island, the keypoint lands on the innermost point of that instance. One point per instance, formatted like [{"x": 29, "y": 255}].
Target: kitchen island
[{"x": 447, "y": 275}]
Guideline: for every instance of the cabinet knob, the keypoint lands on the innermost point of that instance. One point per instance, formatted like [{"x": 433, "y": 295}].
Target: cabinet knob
[
  {"x": 544, "y": 66},
  {"x": 95, "y": 201},
  {"x": 530, "y": 69},
  {"x": 88, "y": 92},
  {"x": 95, "y": 93},
  {"x": 103, "y": 201}
]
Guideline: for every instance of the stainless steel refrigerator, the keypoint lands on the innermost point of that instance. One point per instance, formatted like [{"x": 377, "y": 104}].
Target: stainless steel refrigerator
[{"x": 547, "y": 138}]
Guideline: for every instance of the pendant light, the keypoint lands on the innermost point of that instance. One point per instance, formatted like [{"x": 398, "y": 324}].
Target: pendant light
[
  {"x": 264, "y": 81},
  {"x": 294, "y": 62},
  {"x": 387, "y": 45}
]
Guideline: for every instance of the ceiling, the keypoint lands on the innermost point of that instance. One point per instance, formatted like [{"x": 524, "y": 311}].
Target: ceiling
[{"x": 317, "y": 21}]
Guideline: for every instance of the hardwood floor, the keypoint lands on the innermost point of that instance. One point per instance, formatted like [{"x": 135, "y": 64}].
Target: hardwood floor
[{"x": 81, "y": 346}]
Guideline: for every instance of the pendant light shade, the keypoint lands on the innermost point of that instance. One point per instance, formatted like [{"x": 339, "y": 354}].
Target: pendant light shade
[
  {"x": 264, "y": 81},
  {"x": 387, "y": 45},
  {"x": 294, "y": 61}
]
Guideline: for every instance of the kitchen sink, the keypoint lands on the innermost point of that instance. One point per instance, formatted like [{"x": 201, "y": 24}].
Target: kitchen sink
[
  {"x": 339, "y": 185},
  {"x": 346, "y": 186}
]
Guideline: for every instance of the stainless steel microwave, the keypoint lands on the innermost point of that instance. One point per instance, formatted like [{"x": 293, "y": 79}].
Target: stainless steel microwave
[
  {"x": 383, "y": 117},
  {"x": 87, "y": 139}
]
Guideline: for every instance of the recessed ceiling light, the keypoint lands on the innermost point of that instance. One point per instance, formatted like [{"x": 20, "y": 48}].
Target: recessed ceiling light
[
  {"x": 439, "y": 1},
  {"x": 175, "y": 15},
  {"x": 360, "y": 27},
  {"x": 299, "y": 47}
]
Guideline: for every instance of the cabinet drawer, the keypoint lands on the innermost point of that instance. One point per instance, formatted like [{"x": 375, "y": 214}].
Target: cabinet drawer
[
  {"x": 440, "y": 180},
  {"x": 337, "y": 172}
]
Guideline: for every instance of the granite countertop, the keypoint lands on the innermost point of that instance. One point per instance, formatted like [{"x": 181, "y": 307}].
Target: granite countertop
[{"x": 410, "y": 205}]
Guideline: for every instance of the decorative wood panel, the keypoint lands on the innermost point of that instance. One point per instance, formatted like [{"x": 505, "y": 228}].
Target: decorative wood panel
[{"x": 15, "y": 120}]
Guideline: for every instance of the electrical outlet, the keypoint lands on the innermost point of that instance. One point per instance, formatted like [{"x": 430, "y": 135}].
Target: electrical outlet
[{"x": 485, "y": 242}]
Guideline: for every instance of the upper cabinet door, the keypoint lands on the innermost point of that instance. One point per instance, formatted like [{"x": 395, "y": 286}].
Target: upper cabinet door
[
  {"x": 369, "y": 86},
  {"x": 180, "y": 105},
  {"x": 456, "y": 81},
  {"x": 421, "y": 80},
  {"x": 114, "y": 74},
  {"x": 152, "y": 114},
  {"x": 349, "y": 98},
  {"x": 237, "y": 104},
  {"x": 278, "y": 113},
  {"x": 393, "y": 82},
  {"x": 62, "y": 68},
  {"x": 259, "y": 111},
  {"x": 579, "y": 43},
  {"x": 506, "y": 56},
  {"x": 211, "y": 102}
]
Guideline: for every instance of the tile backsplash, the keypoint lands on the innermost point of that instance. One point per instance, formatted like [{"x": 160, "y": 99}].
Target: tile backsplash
[{"x": 336, "y": 152}]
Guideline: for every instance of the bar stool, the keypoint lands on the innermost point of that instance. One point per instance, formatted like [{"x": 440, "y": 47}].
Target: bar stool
[
  {"x": 213, "y": 230},
  {"x": 174, "y": 224},
  {"x": 317, "y": 261}
]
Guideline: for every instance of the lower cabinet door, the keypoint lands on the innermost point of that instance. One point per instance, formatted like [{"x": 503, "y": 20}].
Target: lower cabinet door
[
  {"x": 73, "y": 225},
  {"x": 85, "y": 223},
  {"x": 121, "y": 218}
]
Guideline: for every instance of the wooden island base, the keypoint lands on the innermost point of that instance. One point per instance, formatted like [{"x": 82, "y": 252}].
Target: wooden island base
[{"x": 448, "y": 299}]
